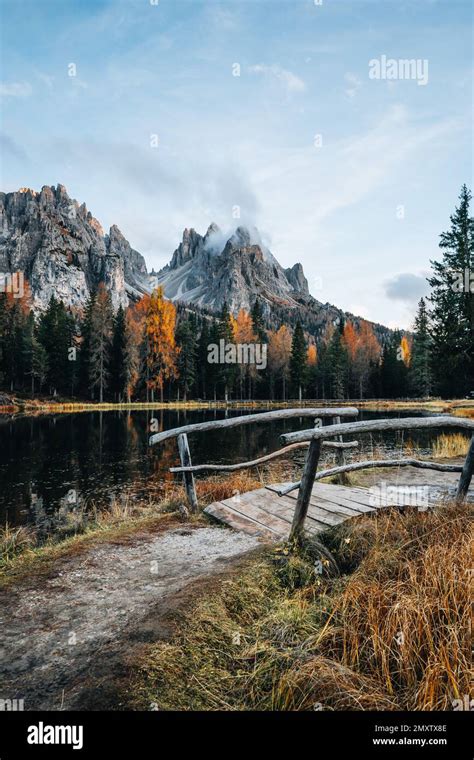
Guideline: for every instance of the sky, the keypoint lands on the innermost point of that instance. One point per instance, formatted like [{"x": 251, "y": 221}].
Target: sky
[{"x": 166, "y": 114}]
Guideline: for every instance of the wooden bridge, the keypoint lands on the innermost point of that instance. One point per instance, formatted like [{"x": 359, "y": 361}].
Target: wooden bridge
[{"x": 284, "y": 511}]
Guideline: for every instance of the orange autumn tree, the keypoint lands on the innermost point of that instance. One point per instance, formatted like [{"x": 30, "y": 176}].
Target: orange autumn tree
[
  {"x": 279, "y": 352},
  {"x": 363, "y": 350},
  {"x": 405, "y": 350},
  {"x": 161, "y": 348},
  {"x": 243, "y": 333}
]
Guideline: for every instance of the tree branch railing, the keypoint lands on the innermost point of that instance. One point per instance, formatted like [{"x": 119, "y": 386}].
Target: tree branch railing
[
  {"x": 181, "y": 433},
  {"x": 313, "y": 440},
  {"x": 317, "y": 436}
]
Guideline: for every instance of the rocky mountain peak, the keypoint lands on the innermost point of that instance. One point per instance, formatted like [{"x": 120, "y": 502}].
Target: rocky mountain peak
[
  {"x": 61, "y": 248},
  {"x": 236, "y": 268}
]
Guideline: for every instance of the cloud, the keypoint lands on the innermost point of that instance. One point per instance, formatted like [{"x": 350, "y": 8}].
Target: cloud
[
  {"x": 287, "y": 79},
  {"x": 353, "y": 83},
  {"x": 9, "y": 146},
  {"x": 15, "y": 89},
  {"x": 407, "y": 287}
]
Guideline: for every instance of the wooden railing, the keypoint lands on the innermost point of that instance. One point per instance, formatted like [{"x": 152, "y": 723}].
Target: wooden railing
[
  {"x": 313, "y": 440},
  {"x": 187, "y": 468},
  {"x": 316, "y": 438}
]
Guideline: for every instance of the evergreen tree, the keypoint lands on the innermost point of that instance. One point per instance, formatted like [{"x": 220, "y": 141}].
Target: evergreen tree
[
  {"x": 56, "y": 335},
  {"x": 420, "y": 379},
  {"x": 258, "y": 322},
  {"x": 100, "y": 342},
  {"x": 205, "y": 379},
  {"x": 452, "y": 299},
  {"x": 298, "y": 367},
  {"x": 84, "y": 356},
  {"x": 336, "y": 364},
  {"x": 118, "y": 355},
  {"x": 226, "y": 373},
  {"x": 186, "y": 341},
  {"x": 393, "y": 370}
]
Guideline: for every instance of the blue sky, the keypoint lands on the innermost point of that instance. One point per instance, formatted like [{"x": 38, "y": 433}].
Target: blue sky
[{"x": 361, "y": 206}]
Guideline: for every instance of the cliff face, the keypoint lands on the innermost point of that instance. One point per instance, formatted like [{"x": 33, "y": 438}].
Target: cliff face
[
  {"x": 210, "y": 270},
  {"x": 62, "y": 249}
]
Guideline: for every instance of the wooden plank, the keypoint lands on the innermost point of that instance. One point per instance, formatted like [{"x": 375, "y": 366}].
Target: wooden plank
[
  {"x": 362, "y": 498},
  {"x": 325, "y": 518},
  {"x": 338, "y": 504},
  {"x": 238, "y": 522},
  {"x": 254, "y": 511}
]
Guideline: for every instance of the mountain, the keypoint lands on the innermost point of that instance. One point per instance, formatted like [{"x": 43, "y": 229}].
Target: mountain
[
  {"x": 210, "y": 270},
  {"x": 62, "y": 249}
]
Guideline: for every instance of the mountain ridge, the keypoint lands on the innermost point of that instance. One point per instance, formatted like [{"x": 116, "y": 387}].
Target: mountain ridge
[{"x": 63, "y": 250}]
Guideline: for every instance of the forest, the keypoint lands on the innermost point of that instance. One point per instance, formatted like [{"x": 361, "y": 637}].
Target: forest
[{"x": 155, "y": 349}]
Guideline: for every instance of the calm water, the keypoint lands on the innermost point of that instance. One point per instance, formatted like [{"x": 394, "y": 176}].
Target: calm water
[{"x": 53, "y": 467}]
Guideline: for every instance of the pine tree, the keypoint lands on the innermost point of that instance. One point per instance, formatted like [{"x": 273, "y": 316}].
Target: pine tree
[
  {"x": 336, "y": 364},
  {"x": 298, "y": 359},
  {"x": 205, "y": 380},
  {"x": 85, "y": 345},
  {"x": 56, "y": 335},
  {"x": 100, "y": 342},
  {"x": 187, "y": 344},
  {"x": 258, "y": 322},
  {"x": 226, "y": 373},
  {"x": 118, "y": 353},
  {"x": 393, "y": 370},
  {"x": 452, "y": 299},
  {"x": 420, "y": 378}
]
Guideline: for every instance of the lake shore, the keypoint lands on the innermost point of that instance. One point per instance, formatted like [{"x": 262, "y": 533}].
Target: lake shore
[{"x": 31, "y": 407}]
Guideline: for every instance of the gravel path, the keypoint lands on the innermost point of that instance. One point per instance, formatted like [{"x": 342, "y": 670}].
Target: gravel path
[{"x": 63, "y": 643}]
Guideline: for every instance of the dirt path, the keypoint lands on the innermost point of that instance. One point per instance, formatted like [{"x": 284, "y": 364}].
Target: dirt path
[{"x": 66, "y": 643}]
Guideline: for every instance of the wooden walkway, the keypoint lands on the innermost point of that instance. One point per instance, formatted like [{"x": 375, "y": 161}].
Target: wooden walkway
[{"x": 265, "y": 514}]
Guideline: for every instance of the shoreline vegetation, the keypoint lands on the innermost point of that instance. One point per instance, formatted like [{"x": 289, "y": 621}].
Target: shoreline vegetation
[{"x": 39, "y": 406}]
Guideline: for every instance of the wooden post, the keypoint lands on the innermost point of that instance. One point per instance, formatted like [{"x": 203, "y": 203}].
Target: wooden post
[
  {"x": 340, "y": 456},
  {"x": 467, "y": 473},
  {"x": 304, "y": 493},
  {"x": 188, "y": 477}
]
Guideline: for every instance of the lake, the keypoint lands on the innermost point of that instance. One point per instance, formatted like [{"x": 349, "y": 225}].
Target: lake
[{"x": 51, "y": 465}]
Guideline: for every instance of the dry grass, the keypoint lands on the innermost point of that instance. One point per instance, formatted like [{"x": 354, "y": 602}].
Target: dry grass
[
  {"x": 450, "y": 445},
  {"x": 393, "y": 633},
  {"x": 15, "y": 541}
]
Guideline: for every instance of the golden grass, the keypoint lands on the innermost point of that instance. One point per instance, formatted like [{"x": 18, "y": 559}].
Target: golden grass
[
  {"x": 392, "y": 634},
  {"x": 450, "y": 445}
]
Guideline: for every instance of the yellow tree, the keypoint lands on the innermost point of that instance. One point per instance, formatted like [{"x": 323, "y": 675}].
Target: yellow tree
[
  {"x": 161, "y": 349},
  {"x": 405, "y": 351},
  {"x": 243, "y": 333},
  {"x": 279, "y": 352}
]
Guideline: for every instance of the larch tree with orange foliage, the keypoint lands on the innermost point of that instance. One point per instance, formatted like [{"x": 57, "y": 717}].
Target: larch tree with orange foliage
[
  {"x": 243, "y": 333},
  {"x": 161, "y": 348},
  {"x": 363, "y": 350},
  {"x": 279, "y": 353}
]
